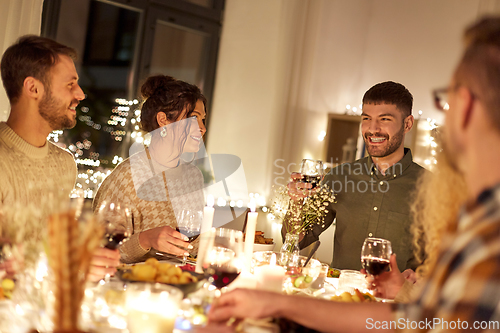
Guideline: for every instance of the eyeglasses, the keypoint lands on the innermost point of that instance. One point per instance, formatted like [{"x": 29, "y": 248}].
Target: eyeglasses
[{"x": 441, "y": 98}]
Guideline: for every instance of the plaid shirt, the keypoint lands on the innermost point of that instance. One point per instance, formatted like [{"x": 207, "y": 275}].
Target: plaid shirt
[{"x": 463, "y": 292}]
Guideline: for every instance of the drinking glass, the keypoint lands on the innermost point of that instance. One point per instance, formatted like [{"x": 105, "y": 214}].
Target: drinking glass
[
  {"x": 350, "y": 280},
  {"x": 375, "y": 255},
  {"x": 223, "y": 260},
  {"x": 312, "y": 172},
  {"x": 152, "y": 307},
  {"x": 189, "y": 224},
  {"x": 116, "y": 217}
]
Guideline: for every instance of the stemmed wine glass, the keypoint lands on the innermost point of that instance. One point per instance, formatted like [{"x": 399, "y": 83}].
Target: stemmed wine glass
[
  {"x": 116, "y": 217},
  {"x": 312, "y": 172},
  {"x": 375, "y": 255},
  {"x": 189, "y": 224},
  {"x": 223, "y": 259}
]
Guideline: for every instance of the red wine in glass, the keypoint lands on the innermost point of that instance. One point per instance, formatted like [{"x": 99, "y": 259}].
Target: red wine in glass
[
  {"x": 189, "y": 233},
  {"x": 313, "y": 180},
  {"x": 375, "y": 255},
  {"x": 375, "y": 266},
  {"x": 220, "y": 277},
  {"x": 115, "y": 239},
  {"x": 312, "y": 172}
]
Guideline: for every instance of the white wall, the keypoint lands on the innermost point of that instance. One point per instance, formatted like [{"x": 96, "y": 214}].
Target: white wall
[
  {"x": 17, "y": 18},
  {"x": 284, "y": 64}
]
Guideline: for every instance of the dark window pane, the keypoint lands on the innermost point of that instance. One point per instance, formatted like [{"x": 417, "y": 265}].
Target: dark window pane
[
  {"x": 179, "y": 52},
  {"x": 106, "y": 51}
]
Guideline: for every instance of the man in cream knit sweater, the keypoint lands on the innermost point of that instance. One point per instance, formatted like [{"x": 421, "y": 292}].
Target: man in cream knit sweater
[{"x": 41, "y": 82}]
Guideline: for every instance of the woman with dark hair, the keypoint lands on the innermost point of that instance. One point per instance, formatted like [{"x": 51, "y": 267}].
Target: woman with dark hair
[{"x": 155, "y": 182}]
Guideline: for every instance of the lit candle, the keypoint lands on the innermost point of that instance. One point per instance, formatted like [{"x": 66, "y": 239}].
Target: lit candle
[
  {"x": 250, "y": 233},
  {"x": 270, "y": 277},
  {"x": 206, "y": 225},
  {"x": 152, "y": 312}
]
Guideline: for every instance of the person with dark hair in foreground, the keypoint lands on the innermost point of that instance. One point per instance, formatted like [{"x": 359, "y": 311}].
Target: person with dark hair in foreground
[{"x": 462, "y": 291}]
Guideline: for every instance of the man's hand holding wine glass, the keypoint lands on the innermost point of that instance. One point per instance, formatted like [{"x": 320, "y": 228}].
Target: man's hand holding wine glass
[
  {"x": 116, "y": 219},
  {"x": 303, "y": 183},
  {"x": 103, "y": 263}
]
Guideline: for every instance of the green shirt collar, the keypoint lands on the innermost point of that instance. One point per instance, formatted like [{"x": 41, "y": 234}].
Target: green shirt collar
[{"x": 394, "y": 171}]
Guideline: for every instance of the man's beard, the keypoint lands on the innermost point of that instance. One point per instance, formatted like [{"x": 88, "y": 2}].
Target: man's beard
[
  {"x": 393, "y": 143},
  {"x": 55, "y": 113}
]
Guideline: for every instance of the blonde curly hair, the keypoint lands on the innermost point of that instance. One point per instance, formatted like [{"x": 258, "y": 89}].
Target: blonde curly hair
[{"x": 437, "y": 201}]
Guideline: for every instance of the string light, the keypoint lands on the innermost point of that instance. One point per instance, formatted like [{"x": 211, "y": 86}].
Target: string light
[{"x": 116, "y": 125}]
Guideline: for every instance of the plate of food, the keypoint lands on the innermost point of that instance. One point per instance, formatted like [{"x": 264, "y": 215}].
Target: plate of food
[
  {"x": 261, "y": 243},
  {"x": 154, "y": 271},
  {"x": 357, "y": 296}
]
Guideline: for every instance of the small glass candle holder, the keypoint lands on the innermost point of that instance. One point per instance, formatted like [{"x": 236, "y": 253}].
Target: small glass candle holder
[
  {"x": 270, "y": 277},
  {"x": 152, "y": 307},
  {"x": 320, "y": 280},
  {"x": 350, "y": 280}
]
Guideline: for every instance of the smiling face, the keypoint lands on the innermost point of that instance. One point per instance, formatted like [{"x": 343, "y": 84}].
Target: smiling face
[
  {"x": 197, "y": 128},
  {"x": 383, "y": 129},
  {"x": 62, "y": 95}
]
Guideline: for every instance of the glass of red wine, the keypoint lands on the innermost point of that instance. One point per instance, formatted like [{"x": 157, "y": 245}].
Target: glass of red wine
[
  {"x": 189, "y": 224},
  {"x": 116, "y": 217},
  {"x": 312, "y": 172},
  {"x": 223, "y": 259},
  {"x": 375, "y": 255}
]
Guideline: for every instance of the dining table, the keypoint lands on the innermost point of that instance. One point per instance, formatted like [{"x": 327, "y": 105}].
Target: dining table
[{"x": 104, "y": 307}]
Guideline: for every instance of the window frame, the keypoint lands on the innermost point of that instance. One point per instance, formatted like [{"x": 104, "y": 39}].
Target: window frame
[{"x": 182, "y": 14}]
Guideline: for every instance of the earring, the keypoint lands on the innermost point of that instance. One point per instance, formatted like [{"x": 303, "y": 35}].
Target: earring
[{"x": 163, "y": 132}]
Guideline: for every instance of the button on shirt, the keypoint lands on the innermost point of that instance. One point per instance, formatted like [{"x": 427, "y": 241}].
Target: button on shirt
[{"x": 370, "y": 204}]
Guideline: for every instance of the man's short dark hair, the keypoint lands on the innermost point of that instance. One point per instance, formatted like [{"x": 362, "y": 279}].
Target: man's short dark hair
[
  {"x": 30, "y": 56},
  {"x": 390, "y": 93}
]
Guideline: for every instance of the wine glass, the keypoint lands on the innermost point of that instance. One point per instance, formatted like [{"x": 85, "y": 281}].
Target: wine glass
[
  {"x": 375, "y": 255},
  {"x": 312, "y": 172},
  {"x": 223, "y": 259},
  {"x": 116, "y": 217},
  {"x": 189, "y": 224}
]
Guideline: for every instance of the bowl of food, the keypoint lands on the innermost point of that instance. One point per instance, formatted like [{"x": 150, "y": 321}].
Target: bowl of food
[{"x": 162, "y": 272}]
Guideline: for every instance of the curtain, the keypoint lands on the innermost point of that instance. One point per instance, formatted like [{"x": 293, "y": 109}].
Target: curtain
[{"x": 17, "y": 18}]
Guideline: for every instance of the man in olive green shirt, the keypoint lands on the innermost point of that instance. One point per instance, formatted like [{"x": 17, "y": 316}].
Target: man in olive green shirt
[{"x": 373, "y": 193}]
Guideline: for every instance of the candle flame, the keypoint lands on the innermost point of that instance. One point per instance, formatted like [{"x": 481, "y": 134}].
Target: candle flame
[
  {"x": 273, "y": 260},
  {"x": 210, "y": 200}
]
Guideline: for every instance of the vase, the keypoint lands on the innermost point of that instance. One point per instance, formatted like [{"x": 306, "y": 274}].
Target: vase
[
  {"x": 291, "y": 244},
  {"x": 290, "y": 250}
]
